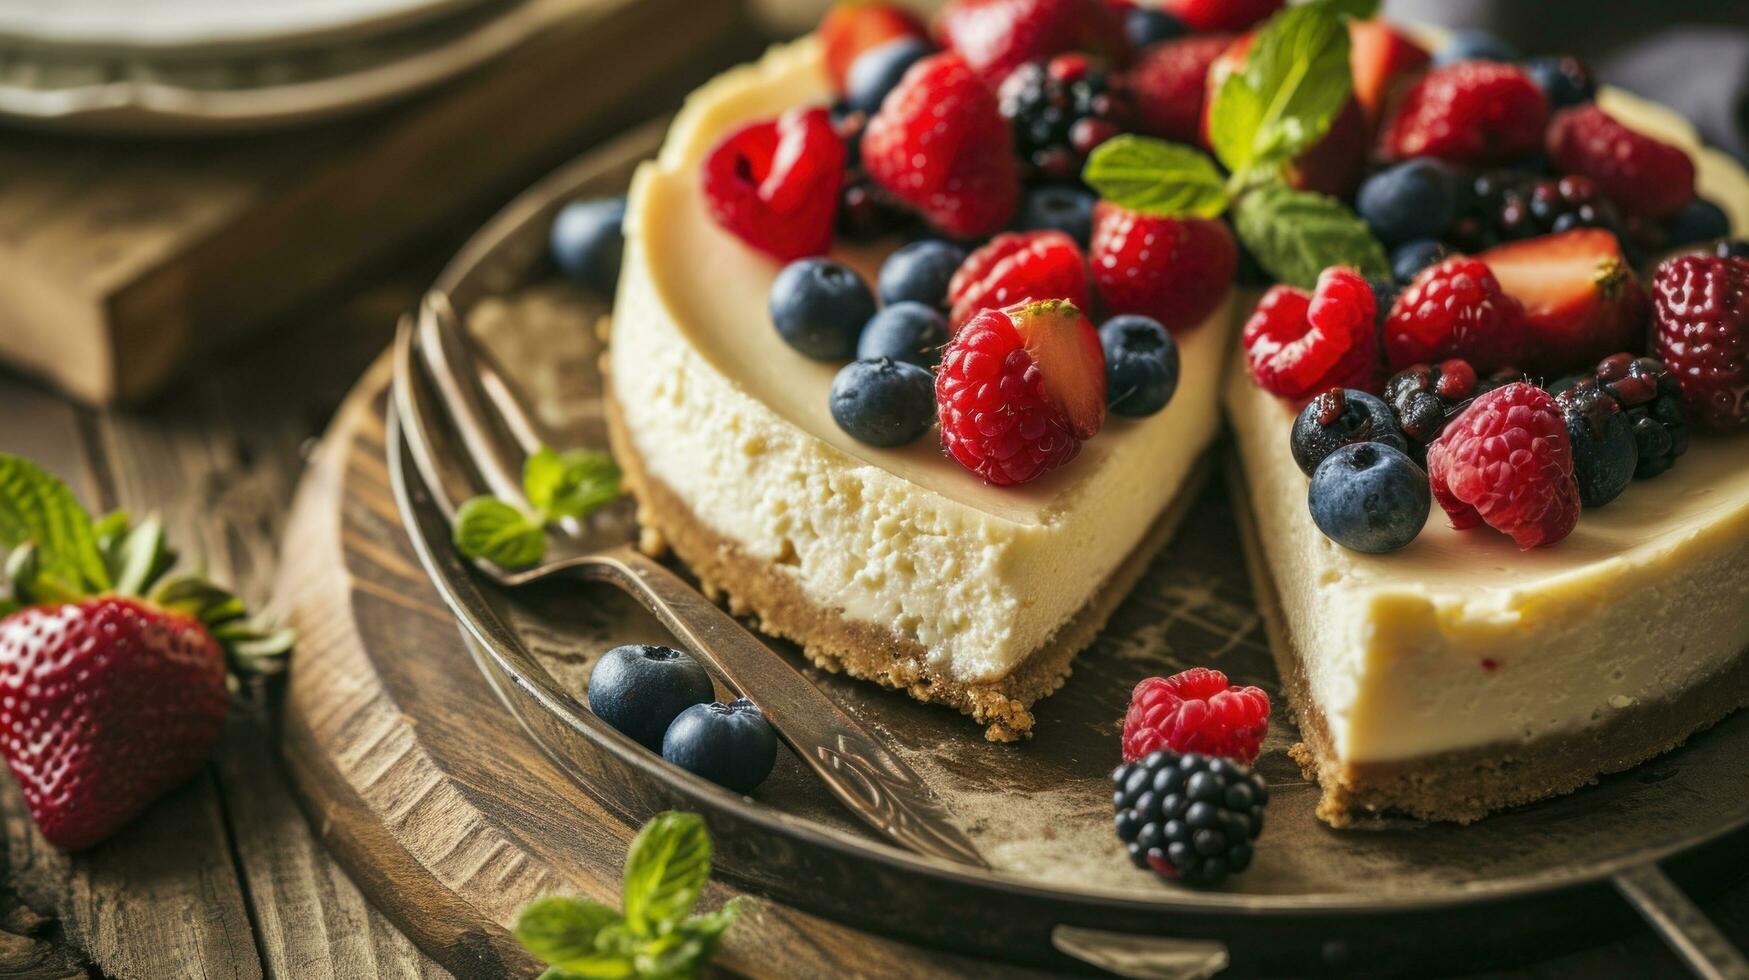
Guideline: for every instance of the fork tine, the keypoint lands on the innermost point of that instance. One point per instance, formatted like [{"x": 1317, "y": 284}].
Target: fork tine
[
  {"x": 496, "y": 454},
  {"x": 428, "y": 444}
]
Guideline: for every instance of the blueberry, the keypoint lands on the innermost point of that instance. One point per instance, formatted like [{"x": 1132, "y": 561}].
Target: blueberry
[
  {"x": 1058, "y": 207},
  {"x": 1337, "y": 418},
  {"x": 905, "y": 331},
  {"x": 819, "y": 306},
  {"x": 1604, "y": 451},
  {"x": 1733, "y": 249},
  {"x": 640, "y": 689},
  {"x": 1369, "y": 497},
  {"x": 1149, "y": 25},
  {"x": 731, "y": 745},
  {"x": 586, "y": 242},
  {"x": 1141, "y": 365},
  {"x": 1474, "y": 46},
  {"x": 1409, "y": 258},
  {"x": 1564, "y": 79},
  {"x": 877, "y": 71},
  {"x": 1700, "y": 220},
  {"x": 883, "y": 402},
  {"x": 1414, "y": 199},
  {"x": 920, "y": 272}
]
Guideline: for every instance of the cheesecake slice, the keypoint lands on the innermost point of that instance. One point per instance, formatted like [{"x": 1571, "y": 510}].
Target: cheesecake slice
[{"x": 1461, "y": 675}]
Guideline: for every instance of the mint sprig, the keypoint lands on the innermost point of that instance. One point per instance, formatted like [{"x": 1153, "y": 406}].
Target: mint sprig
[
  {"x": 1157, "y": 177},
  {"x": 1294, "y": 235},
  {"x": 1294, "y": 81},
  {"x": 656, "y": 939},
  {"x": 558, "y": 486}
]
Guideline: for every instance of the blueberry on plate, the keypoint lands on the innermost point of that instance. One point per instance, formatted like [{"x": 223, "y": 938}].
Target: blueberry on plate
[
  {"x": 587, "y": 243},
  {"x": 1341, "y": 417},
  {"x": 920, "y": 272},
  {"x": 639, "y": 689},
  {"x": 1141, "y": 365},
  {"x": 1409, "y": 258},
  {"x": 1474, "y": 46},
  {"x": 905, "y": 331},
  {"x": 877, "y": 71},
  {"x": 1150, "y": 25},
  {"x": 819, "y": 307},
  {"x": 1700, "y": 220},
  {"x": 1369, "y": 497},
  {"x": 731, "y": 745},
  {"x": 1604, "y": 451},
  {"x": 883, "y": 402},
  {"x": 1058, "y": 207},
  {"x": 1564, "y": 79},
  {"x": 1413, "y": 199}
]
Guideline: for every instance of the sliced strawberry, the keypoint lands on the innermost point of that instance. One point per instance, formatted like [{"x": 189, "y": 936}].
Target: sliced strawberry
[
  {"x": 997, "y": 36},
  {"x": 1582, "y": 301},
  {"x": 854, "y": 26},
  {"x": 1015, "y": 267},
  {"x": 1065, "y": 346},
  {"x": 1380, "y": 56},
  {"x": 774, "y": 184},
  {"x": 1176, "y": 270},
  {"x": 1642, "y": 174},
  {"x": 1334, "y": 165},
  {"x": 1222, "y": 15}
]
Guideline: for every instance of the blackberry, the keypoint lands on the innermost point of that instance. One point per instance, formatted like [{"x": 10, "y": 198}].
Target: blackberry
[
  {"x": 1652, "y": 399},
  {"x": 1426, "y": 396},
  {"x": 1506, "y": 205},
  {"x": 1060, "y": 110},
  {"x": 865, "y": 210},
  {"x": 1604, "y": 451},
  {"x": 1189, "y": 817}
]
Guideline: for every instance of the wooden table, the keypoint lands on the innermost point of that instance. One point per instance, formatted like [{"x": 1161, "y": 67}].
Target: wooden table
[{"x": 224, "y": 878}]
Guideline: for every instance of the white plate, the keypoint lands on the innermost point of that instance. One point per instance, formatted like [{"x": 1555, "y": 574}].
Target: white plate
[{"x": 164, "y": 26}]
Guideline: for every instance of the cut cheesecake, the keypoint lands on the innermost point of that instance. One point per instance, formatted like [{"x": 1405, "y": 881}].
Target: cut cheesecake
[
  {"x": 899, "y": 565},
  {"x": 1460, "y": 675}
]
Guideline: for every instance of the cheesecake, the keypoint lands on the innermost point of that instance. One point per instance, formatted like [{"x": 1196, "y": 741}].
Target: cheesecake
[{"x": 896, "y": 565}]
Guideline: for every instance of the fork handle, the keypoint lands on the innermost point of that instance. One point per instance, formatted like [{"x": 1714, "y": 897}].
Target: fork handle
[{"x": 868, "y": 778}]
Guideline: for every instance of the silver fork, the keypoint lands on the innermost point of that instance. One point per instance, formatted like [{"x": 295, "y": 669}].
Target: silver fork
[{"x": 439, "y": 378}]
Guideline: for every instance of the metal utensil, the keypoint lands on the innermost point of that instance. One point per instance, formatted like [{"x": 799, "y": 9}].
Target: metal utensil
[{"x": 438, "y": 378}]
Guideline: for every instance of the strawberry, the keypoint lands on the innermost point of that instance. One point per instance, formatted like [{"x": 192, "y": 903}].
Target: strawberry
[
  {"x": 1455, "y": 308},
  {"x": 1222, "y": 15},
  {"x": 1169, "y": 85},
  {"x": 1642, "y": 175},
  {"x": 1176, "y": 270},
  {"x": 1334, "y": 165},
  {"x": 1015, "y": 267},
  {"x": 939, "y": 145},
  {"x": 997, "y": 36},
  {"x": 1467, "y": 112},
  {"x": 774, "y": 184},
  {"x": 113, "y": 699},
  {"x": 854, "y": 26},
  {"x": 1582, "y": 301},
  {"x": 1380, "y": 56}
]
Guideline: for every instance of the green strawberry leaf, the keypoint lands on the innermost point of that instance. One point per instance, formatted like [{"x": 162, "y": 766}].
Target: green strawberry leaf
[
  {"x": 138, "y": 557},
  {"x": 1295, "y": 235},
  {"x": 666, "y": 868},
  {"x": 110, "y": 529},
  {"x": 560, "y": 930},
  {"x": 1295, "y": 79},
  {"x": 488, "y": 528},
  {"x": 36, "y": 508},
  {"x": 1155, "y": 177},
  {"x": 571, "y": 484}
]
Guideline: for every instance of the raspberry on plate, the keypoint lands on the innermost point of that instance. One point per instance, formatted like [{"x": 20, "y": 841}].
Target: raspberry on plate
[
  {"x": 1014, "y": 267},
  {"x": 1455, "y": 309},
  {"x": 774, "y": 184},
  {"x": 1470, "y": 112},
  {"x": 1702, "y": 307},
  {"x": 1168, "y": 83},
  {"x": 1020, "y": 389},
  {"x": 1176, "y": 270},
  {"x": 855, "y": 26},
  {"x": 1642, "y": 175},
  {"x": 997, "y": 36},
  {"x": 940, "y": 146},
  {"x": 1508, "y": 461},
  {"x": 1582, "y": 301},
  {"x": 1195, "y": 711},
  {"x": 1298, "y": 344}
]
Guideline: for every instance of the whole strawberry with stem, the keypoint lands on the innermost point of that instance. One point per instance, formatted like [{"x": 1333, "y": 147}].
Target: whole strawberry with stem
[{"x": 114, "y": 670}]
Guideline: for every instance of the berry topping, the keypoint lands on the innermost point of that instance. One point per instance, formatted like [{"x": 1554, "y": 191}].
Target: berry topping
[
  {"x": 1141, "y": 365},
  {"x": 1369, "y": 497},
  {"x": 641, "y": 688},
  {"x": 905, "y": 331},
  {"x": 855, "y": 26},
  {"x": 1413, "y": 199},
  {"x": 940, "y": 145},
  {"x": 586, "y": 242},
  {"x": 1474, "y": 45},
  {"x": 1298, "y": 344},
  {"x": 1652, "y": 399},
  {"x": 878, "y": 70},
  {"x": 820, "y": 307},
  {"x": 775, "y": 184},
  {"x": 1700, "y": 220},
  {"x": 997, "y": 36},
  {"x": 1455, "y": 309},
  {"x": 1469, "y": 112},
  {"x": 1409, "y": 258},
  {"x": 1423, "y": 397},
  {"x": 1504, "y": 205},
  {"x": 1189, "y": 817},
  {"x": 1564, "y": 79},
  {"x": 731, "y": 744},
  {"x": 1604, "y": 452},
  {"x": 1581, "y": 298},
  {"x": 1702, "y": 305},
  {"x": 1195, "y": 711},
  {"x": 1168, "y": 84},
  {"x": 920, "y": 272},
  {"x": 1058, "y": 207},
  {"x": 1018, "y": 266},
  {"x": 1146, "y": 26},
  {"x": 1341, "y": 417},
  {"x": 1020, "y": 389},
  {"x": 1379, "y": 57},
  {"x": 1222, "y": 15},
  {"x": 884, "y": 402},
  {"x": 1507, "y": 461},
  {"x": 1060, "y": 110},
  {"x": 1176, "y": 270},
  {"x": 1642, "y": 175}
]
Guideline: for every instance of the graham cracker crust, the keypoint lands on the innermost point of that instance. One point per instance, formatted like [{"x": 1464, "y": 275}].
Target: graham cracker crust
[{"x": 868, "y": 650}]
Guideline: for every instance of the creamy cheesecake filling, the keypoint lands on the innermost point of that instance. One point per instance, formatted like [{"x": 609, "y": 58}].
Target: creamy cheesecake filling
[{"x": 736, "y": 424}]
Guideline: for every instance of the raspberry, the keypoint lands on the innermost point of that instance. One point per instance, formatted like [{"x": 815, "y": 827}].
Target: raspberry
[
  {"x": 1189, "y": 817},
  {"x": 1195, "y": 711},
  {"x": 1469, "y": 112},
  {"x": 1298, "y": 344},
  {"x": 1060, "y": 111},
  {"x": 1176, "y": 270},
  {"x": 1702, "y": 308},
  {"x": 774, "y": 184},
  {"x": 940, "y": 145},
  {"x": 1455, "y": 309},
  {"x": 1017, "y": 266},
  {"x": 1645, "y": 176},
  {"x": 1168, "y": 84},
  {"x": 1508, "y": 461},
  {"x": 997, "y": 36}
]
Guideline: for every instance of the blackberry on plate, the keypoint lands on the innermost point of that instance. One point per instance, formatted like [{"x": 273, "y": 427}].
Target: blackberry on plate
[
  {"x": 1604, "y": 451},
  {"x": 1341, "y": 417},
  {"x": 1426, "y": 396},
  {"x": 1652, "y": 399},
  {"x": 1060, "y": 110},
  {"x": 1507, "y": 205},
  {"x": 1190, "y": 817}
]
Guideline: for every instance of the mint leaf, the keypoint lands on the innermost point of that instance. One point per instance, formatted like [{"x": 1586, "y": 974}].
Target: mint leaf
[
  {"x": 1156, "y": 177},
  {"x": 1295, "y": 79},
  {"x": 571, "y": 484},
  {"x": 560, "y": 930},
  {"x": 489, "y": 528},
  {"x": 1295, "y": 235},
  {"x": 1357, "y": 9},
  {"x": 36, "y": 508},
  {"x": 666, "y": 868}
]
